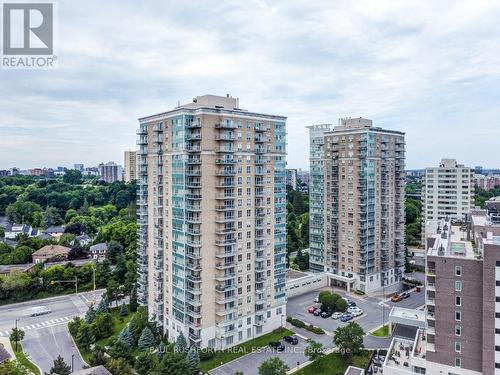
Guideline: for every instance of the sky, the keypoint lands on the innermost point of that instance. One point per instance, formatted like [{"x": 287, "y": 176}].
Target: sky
[{"x": 428, "y": 68}]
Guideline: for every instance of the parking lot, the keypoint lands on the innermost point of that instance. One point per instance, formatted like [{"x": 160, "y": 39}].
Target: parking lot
[{"x": 372, "y": 317}]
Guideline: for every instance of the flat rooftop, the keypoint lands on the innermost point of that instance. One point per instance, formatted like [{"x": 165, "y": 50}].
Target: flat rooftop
[
  {"x": 292, "y": 274},
  {"x": 451, "y": 241}
]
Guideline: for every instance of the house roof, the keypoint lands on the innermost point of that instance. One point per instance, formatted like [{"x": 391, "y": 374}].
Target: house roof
[
  {"x": 83, "y": 237},
  {"x": 99, "y": 247},
  {"x": 45, "y": 236},
  {"x": 98, "y": 370},
  {"x": 4, "y": 354},
  {"x": 54, "y": 229},
  {"x": 20, "y": 228},
  {"x": 52, "y": 250}
]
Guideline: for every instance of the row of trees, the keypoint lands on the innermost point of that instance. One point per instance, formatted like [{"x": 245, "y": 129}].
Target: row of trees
[{"x": 298, "y": 226}]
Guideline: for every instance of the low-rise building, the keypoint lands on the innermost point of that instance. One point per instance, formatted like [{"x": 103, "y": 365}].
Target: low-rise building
[
  {"x": 50, "y": 252},
  {"x": 99, "y": 251},
  {"x": 13, "y": 230},
  {"x": 54, "y": 231}
]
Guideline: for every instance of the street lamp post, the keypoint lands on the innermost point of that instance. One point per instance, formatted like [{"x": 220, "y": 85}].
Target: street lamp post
[
  {"x": 72, "y": 362},
  {"x": 17, "y": 334}
]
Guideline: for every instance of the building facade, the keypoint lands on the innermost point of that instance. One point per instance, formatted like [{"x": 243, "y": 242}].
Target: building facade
[
  {"x": 110, "y": 172},
  {"x": 212, "y": 216},
  {"x": 291, "y": 178},
  {"x": 130, "y": 163},
  {"x": 357, "y": 219},
  {"x": 447, "y": 191}
]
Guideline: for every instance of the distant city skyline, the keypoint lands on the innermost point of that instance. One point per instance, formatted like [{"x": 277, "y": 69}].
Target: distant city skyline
[{"x": 434, "y": 75}]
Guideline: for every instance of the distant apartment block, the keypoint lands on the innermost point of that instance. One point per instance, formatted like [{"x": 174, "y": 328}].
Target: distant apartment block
[
  {"x": 212, "y": 216},
  {"x": 356, "y": 197},
  {"x": 110, "y": 172},
  {"x": 79, "y": 167},
  {"x": 91, "y": 171},
  {"x": 130, "y": 162},
  {"x": 463, "y": 295},
  {"x": 487, "y": 182},
  {"x": 291, "y": 178},
  {"x": 303, "y": 176},
  {"x": 447, "y": 191}
]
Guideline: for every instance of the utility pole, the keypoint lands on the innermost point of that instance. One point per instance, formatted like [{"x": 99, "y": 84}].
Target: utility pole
[
  {"x": 76, "y": 285},
  {"x": 17, "y": 334},
  {"x": 72, "y": 362}
]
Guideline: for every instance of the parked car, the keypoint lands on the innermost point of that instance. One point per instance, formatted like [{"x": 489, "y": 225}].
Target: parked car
[
  {"x": 326, "y": 314},
  {"x": 312, "y": 309},
  {"x": 291, "y": 339},
  {"x": 345, "y": 317},
  {"x": 356, "y": 313},
  {"x": 405, "y": 295},
  {"x": 316, "y": 299},
  {"x": 317, "y": 312},
  {"x": 353, "y": 309},
  {"x": 278, "y": 345},
  {"x": 336, "y": 315},
  {"x": 396, "y": 298},
  {"x": 351, "y": 303}
]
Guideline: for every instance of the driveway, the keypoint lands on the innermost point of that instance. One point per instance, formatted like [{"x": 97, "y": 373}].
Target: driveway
[{"x": 249, "y": 364}]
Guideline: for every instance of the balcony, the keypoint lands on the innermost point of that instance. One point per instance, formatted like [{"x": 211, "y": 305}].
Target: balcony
[
  {"x": 142, "y": 141},
  {"x": 225, "y": 149},
  {"x": 260, "y": 139},
  {"x": 226, "y": 184},
  {"x": 193, "y": 278},
  {"x": 193, "y": 148},
  {"x": 225, "y": 137},
  {"x": 193, "y": 137},
  {"x": 225, "y": 288},
  {"x": 225, "y": 242},
  {"x": 224, "y": 231},
  {"x": 225, "y": 253},
  {"x": 225, "y": 161},
  {"x": 260, "y": 128},
  {"x": 226, "y": 173},
  {"x": 225, "y": 276},
  {"x": 259, "y": 150},
  {"x": 226, "y": 196},
  {"x": 193, "y": 173},
  {"x": 225, "y": 207},
  {"x": 226, "y": 125},
  {"x": 223, "y": 266},
  {"x": 226, "y": 299}
]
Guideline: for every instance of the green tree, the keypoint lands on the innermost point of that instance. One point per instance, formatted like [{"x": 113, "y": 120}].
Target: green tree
[
  {"x": 90, "y": 315},
  {"x": 17, "y": 335},
  {"x": 126, "y": 336},
  {"x": 103, "y": 308},
  {"x": 146, "y": 363},
  {"x": 51, "y": 217},
  {"x": 146, "y": 340},
  {"x": 13, "y": 368},
  {"x": 181, "y": 345},
  {"x": 22, "y": 212},
  {"x": 85, "y": 337},
  {"x": 73, "y": 177},
  {"x": 349, "y": 340},
  {"x": 98, "y": 357},
  {"x": 341, "y": 305},
  {"x": 119, "y": 366},
  {"x": 328, "y": 301},
  {"x": 120, "y": 349},
  {"x": 132, "y": 306},
  {"x": 115, "y": 249},
  {"x": 74, "y": 325},
  {"x": 273, "y": 366},
  {"x": 193, "y": 359},
  {"x": 174, "y": 363},
  {"x": 123, "y": 310},
  {"x": 314, "y": 350},
  {"x": 102, "y": 325},
  {"x": 60, "y": 367}
]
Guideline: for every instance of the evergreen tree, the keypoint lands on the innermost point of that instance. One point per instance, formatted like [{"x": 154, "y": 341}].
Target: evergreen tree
[
  {"x": 174, "y": 364},
  {"x": 146, "y": 363},
  {"x": 193, "y": 359},
  {"x": 120, "y": 349},
  {"x": 90, "y": 315},
  {"x": 103, "y": 308},
  {"x": 146, "y": 340},
  {"x": 181, "y": 344},
  {"x": 123, "y": 310},
  {"x": 126, "y": 336},
  {"x": 133, "y": 300},
  {"x": 161, "y": 350},
  {"x": 85, "y": 336},
  {"x": 60, "y": 367}
]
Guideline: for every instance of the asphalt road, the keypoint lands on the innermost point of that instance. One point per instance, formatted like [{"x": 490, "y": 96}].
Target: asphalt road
[{"x": 47, "y": 335}]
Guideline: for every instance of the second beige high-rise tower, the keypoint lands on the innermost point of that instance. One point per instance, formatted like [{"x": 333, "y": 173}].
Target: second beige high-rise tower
[{"x": 357, "y": 203}]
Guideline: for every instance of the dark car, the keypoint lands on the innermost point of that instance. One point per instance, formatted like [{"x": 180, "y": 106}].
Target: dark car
[
  {"x": 291, "y": 339},
  {"x": 405, "y": 295},
  {"x": 317, "y": 312},
  {"x": 326, "y": 314},
  {"x": 351, "y": 304},
  {"x": 346, "y": 317},
  {"x": 278, "y": 345}
]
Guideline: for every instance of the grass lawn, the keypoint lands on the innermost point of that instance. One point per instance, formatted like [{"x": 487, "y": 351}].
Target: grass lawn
[
  {"x": 118, "y": 323},
  {"x": 381, "y": 332},
  {"x": 334, "y": 364},
  {"x": 22, "y": 359},
  {"x": 237, "y": 351}
]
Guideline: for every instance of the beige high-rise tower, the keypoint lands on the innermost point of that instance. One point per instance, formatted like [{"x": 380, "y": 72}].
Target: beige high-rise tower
[
  {"x": 357, "y": 203},
  {"x": 212, "y": 215},
  {"x": 130, "y": 162}
]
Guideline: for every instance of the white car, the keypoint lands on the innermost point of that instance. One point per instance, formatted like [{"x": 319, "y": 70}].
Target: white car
[
  {"x": 356, "y": 313},
  {"x": 336, "y": 315},
  {"x": 354, "y": 309},
  {"x": 316, "y": 299}
]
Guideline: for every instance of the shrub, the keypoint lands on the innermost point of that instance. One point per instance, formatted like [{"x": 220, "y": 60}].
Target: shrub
[
  {"x": 207, "y": 353},
  {"x": 359, "y": 292},
  {"x": 289, "y": 319},
  {"x": 297, "y": 323}
]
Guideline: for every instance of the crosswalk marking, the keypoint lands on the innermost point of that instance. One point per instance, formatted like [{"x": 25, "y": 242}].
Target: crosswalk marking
[{"x": 34, "y": 326}]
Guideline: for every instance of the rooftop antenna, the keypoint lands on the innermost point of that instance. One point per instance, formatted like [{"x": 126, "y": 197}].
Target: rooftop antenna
[{"x": 178, "y": 103}]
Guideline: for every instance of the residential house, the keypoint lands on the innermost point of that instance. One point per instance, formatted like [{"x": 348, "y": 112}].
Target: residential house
[
  {"x": 54, "y": 231},
  {"x": 99, "y": 251},
  {"x": 98, "y": 370},
  {"x": 13, "y": 230},
  {"x": 84, "y": 240},
  {"x": 50, "y": 252}
]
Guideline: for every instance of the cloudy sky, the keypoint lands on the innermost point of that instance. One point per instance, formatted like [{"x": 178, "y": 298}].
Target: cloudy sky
[{"x": 429, "y": 68}]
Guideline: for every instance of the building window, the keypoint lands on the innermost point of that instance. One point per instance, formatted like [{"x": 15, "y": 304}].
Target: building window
[
  {"x": 458, "y": 362},
  {"x": 458, "y": 316},
  {"x": 497, "y": 348},
  {"x": 458, "y": 271},
  {"x": 458, "y": 347},
  {"x": 497, "y": 365},
  {"x": 458, "y": 301},
  {"x": 458, "y": 286},
  {"x": 458, "y": 331}
]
